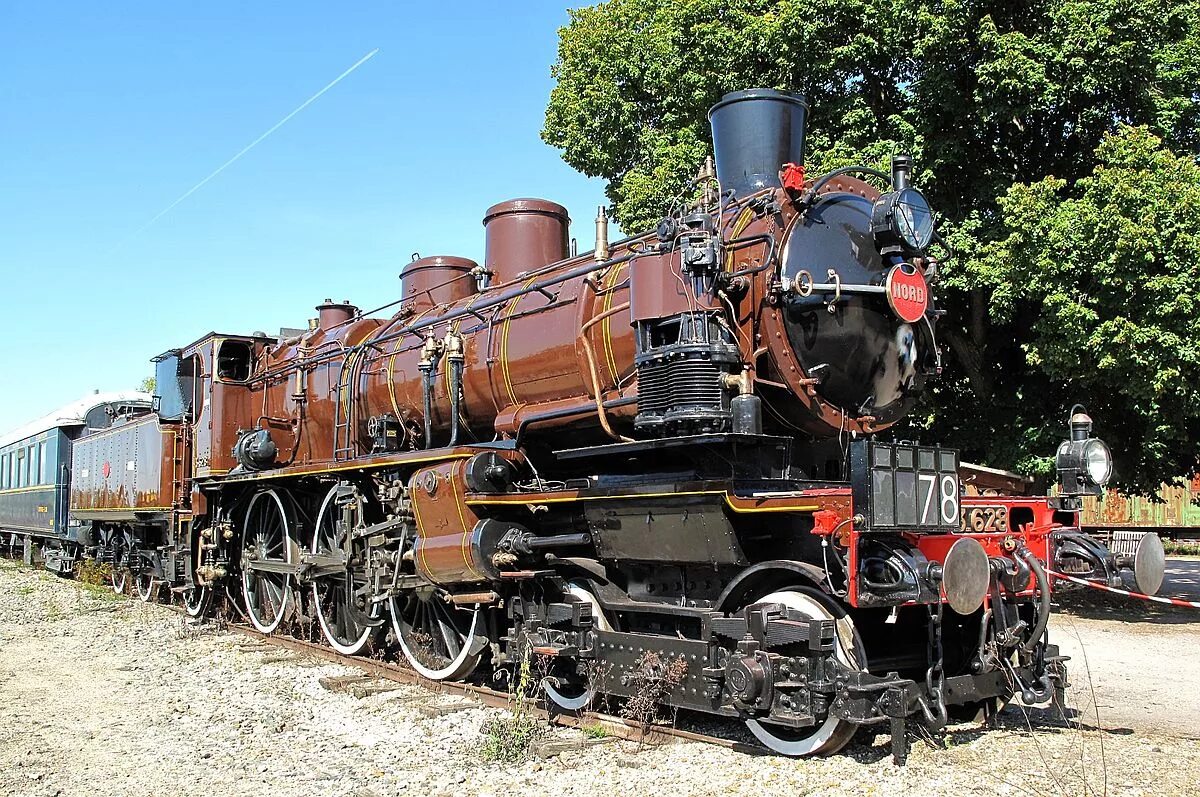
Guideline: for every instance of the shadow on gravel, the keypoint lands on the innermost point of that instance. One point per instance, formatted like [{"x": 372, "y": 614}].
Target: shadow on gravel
[
  {"x": 872, "y": 743},
  {"x": 1182, "y": 580},
  {"x": 1020, "y": 720}
]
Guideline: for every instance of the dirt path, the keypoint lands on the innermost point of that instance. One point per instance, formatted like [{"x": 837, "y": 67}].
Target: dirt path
[
  {"x": 1143, "y": 658},
  {"x": 110, "y": 698}
]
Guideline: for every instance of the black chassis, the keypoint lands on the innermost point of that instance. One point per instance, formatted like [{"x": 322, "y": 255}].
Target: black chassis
[{"x": 766, "y": 663}]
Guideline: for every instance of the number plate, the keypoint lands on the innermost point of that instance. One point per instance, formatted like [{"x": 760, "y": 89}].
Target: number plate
[
  {"x": 901, "y": 486},
  {"x": 984, "y": 520}
]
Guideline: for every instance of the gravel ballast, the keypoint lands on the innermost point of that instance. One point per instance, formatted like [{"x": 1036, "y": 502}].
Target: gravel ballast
[{"x": 101, "y": 695}]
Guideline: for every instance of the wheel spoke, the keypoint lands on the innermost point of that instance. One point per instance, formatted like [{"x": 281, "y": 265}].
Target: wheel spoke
[
  {"x": 332, "y": 597},
  {"x": 449, "y": 634},
  {"x": 275, "y": 593},
  {"x": 342, "y": 621}
]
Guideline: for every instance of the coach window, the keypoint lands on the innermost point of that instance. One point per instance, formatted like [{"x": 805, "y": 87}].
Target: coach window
[
  {"x": 3, "y": 471},
  {"x": 233, "y": 361},
  {"x": 35, "y": 467}
]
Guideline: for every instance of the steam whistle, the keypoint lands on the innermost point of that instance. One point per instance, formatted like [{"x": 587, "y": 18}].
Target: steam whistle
[{"x": 602, "y": 252}]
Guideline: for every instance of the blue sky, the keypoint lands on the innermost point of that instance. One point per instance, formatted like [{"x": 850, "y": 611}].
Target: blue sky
[{"x": 107, "y": 116}]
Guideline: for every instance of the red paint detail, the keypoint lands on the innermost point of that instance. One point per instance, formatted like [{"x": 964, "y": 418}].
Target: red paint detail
[
  {"x": 824, "y": 522},
  {"x": 792, "y": 176},
  {"x": 106, "y": 469},
  {"x": 907, "y": 292},
  {"x": 1036, "y": 536}
]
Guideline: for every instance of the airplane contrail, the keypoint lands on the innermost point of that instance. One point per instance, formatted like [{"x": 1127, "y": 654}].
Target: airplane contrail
[{"x": 251, "y": 145}]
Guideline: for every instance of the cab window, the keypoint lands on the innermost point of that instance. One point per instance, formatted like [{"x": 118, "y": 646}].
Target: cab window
[{"x": 234, "y": 359}]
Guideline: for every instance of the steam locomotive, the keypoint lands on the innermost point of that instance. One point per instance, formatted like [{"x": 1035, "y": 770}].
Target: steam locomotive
[{"x": 662, "y": 459}]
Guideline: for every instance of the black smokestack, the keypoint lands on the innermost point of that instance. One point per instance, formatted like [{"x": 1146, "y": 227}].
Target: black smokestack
[{"x": 755, "y": 132}]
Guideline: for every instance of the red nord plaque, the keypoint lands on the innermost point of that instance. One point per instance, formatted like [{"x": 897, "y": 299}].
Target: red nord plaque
[{"x": 907, "y": 292}]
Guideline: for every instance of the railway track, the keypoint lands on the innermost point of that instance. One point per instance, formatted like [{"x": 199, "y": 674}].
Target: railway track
[
  {"x": 620, "y": 727},
  {"x": 613, "y": 725}
]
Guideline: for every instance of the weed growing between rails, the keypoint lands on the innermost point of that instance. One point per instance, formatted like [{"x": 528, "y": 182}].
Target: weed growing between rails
[
  {"x": 94, "y": 573},
  {"x": 509, "y": 737},
  {"x": 652, "y": 679}
]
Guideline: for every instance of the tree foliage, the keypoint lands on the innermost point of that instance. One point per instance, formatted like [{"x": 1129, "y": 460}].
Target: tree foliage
[{"x": 1057, "y": 139}]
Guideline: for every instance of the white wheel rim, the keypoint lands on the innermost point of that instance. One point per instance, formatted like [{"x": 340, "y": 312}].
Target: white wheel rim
[
  {"x": 848, "y": 651},
  {"x": 330, "y": 636},
  {"x": 194, "y": 601},
  {"x": 119, "y": 572},
  {"x": 285, "y": 601},
  {"x": 583, "y": 700},
  {"x": 459, "y": 667},
  {"x": 144, "y": 593}
]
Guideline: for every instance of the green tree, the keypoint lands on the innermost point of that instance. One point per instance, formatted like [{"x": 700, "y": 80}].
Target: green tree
[
  {"x": 148, "y": 385},
  {"x": 1021, "y": 117}
]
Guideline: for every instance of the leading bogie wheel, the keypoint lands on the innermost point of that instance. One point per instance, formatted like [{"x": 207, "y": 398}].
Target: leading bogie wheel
[
  {"x": 196, "y": 600},
  {"x": 268, "y": 545},
  {"x": 832, "y": 734},
  {"x": 573, "y": 691},
  {"x": 341, "y": 604}
]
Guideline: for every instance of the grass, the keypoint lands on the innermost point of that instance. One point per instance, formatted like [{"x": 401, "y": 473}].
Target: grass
[
  {"x": 652, "y": 678},
  {"x": 100, "y": 592},
  {"x": 596, "y": 731},
  {"x": 1181, "y": 547},
  {"x": 509, "y": 738},
  {"x": 97, "y": 574}
]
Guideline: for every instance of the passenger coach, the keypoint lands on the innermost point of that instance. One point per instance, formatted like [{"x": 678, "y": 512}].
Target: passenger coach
[{"x": 35, "y": 475}]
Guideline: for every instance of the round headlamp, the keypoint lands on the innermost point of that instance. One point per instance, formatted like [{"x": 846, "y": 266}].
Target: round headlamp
[
  {"x": 1084, "y": 466},
  {"x": 902, "y": 218},
  {"x": 1098, "y": 461}
]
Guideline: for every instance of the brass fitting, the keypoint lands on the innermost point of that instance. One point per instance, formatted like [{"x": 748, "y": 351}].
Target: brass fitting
[
  {"x": 453, "y": 346},
  {"x": 430, "y": 351},
  {"x": 741, "y": 382}
]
